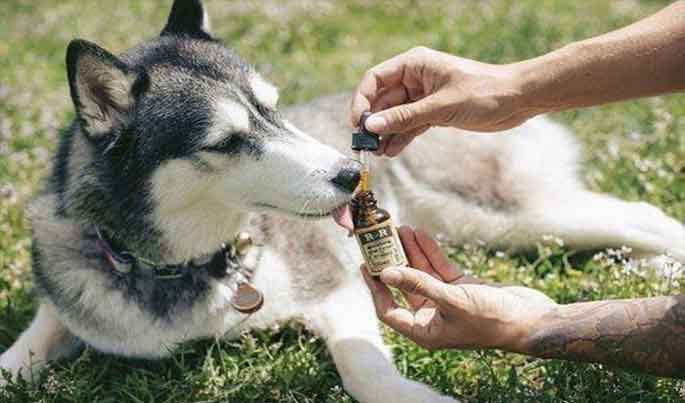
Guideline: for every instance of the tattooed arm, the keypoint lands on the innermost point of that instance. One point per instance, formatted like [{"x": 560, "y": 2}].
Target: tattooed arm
[
  {"x": 446, "y": 309},
  {"x": 640, "y": 334},
  {"x": 647, "y": 335}
]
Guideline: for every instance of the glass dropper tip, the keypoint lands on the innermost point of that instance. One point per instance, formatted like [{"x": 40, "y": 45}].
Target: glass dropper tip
[{"x": 364, "y": 180}]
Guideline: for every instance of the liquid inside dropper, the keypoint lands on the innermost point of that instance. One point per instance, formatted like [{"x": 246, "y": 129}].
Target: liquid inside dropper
[{"x": 364, "y": 179}]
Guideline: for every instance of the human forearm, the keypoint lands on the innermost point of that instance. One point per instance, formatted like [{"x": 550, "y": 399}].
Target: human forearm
[
  {"x": 644, "y": 59},
  {"x": 641, "y": 334}
]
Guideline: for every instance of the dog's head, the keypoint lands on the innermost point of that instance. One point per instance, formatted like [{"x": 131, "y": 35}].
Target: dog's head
[{"x": 187, "y": 128}]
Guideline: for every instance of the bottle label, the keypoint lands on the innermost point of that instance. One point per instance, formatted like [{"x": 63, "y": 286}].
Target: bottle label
[{"x": 381, "y": 247}]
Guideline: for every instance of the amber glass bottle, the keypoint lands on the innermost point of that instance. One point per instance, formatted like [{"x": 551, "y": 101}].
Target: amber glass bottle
[{"x": 376, "y": 234}]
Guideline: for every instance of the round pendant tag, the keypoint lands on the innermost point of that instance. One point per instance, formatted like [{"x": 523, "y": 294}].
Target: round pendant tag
[{"x": 247, "y": 299}]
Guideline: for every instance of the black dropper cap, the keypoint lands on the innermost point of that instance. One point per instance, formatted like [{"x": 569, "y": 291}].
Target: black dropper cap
[{"x": 364, "y": 139}]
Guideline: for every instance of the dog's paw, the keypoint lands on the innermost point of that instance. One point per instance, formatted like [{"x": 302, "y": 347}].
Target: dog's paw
[
  {"x": 423, "y": 394},
  {"x": 12, "y": 367},
  {"x": 8, "y": 371},
  {"x": 398, "y": 390}
]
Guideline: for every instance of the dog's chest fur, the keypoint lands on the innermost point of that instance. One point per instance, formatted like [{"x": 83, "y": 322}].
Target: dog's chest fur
[
  {"x": 139, "y": 316},
  {"x": 130, "y": 315}
]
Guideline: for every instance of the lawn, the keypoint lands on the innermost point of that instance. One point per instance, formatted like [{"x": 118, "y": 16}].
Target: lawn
[{"x": 635, "y": 150}]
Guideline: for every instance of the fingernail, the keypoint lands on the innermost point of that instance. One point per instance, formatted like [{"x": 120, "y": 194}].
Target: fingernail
[
  {"x": 391, "y": 276},
  {"x": 375, "y": 123}
]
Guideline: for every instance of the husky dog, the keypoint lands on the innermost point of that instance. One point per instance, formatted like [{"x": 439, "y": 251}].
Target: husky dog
[{"x": 178, "y": 144}]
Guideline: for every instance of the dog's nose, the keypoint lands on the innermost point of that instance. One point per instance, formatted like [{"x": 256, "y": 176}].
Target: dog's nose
[{"x": 347, "y": 178}]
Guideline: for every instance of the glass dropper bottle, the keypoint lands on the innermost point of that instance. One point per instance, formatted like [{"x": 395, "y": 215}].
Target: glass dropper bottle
[{"x": 373, "y": 227}]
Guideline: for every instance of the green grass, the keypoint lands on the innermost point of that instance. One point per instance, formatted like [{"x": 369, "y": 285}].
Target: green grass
[{"x": 635, "y": 150}]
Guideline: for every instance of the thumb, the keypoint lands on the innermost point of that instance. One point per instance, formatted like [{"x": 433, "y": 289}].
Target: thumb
[
  {"x": 402, "y": 118},
  {"x": 414, "y": 281}
]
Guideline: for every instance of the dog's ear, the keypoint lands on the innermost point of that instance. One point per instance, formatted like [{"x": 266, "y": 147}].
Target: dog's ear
[
  {"x": 188, "y": 18},
  {"x": 103, "y": 88}
]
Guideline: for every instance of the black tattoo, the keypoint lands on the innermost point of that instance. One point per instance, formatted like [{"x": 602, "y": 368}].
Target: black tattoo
[{"x": 646, "y": 335}]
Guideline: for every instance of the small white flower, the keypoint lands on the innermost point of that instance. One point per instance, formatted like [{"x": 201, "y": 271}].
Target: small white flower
[
  {"x": 634, "y": 136},
  {"x": 630, "y": 266},
  {"x": 613, "y": 148}
]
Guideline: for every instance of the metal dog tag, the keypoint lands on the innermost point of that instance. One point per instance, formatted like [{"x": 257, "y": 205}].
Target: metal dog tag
[{"x": 247, "y": 299}]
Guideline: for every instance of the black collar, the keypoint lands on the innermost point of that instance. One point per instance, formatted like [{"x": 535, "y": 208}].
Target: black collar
[{"x": 221, "y": 263}]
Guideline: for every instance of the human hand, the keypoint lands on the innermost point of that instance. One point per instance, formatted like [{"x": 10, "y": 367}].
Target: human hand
[
  {"x": 449, "y": 310},
  {"x": 422, "y": 88}
]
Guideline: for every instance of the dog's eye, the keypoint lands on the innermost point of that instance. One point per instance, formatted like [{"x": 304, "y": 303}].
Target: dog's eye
[{"x": 234, "y": 144}]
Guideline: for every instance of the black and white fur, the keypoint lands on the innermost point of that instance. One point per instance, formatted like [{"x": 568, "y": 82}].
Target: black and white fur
[{"x": 178, "y": 144}]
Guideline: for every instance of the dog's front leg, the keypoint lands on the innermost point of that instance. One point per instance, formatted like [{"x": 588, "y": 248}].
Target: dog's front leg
[
  {"x": 45, "y": 340},
  {"x": 348, "y": 323}
]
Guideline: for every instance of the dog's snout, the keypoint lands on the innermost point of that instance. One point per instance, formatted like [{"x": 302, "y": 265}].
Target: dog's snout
[{"x": 347, "y": 177}]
